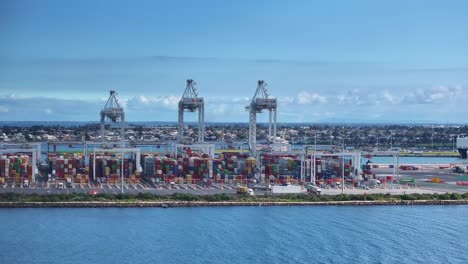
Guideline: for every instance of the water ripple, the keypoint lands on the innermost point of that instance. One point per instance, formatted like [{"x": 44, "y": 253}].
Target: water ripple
[{"x": 377, "y": 234}]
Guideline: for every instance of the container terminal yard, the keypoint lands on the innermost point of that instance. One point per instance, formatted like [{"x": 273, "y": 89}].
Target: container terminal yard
[{"x": 202, "y": 168}]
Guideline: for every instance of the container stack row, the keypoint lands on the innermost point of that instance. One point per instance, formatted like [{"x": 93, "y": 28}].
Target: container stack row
[
  {"x": 328, "y": 168},
  {"x": 109, "y": 167},
  {"x": 69, "y": 166},
  {"x": 281, "y": 168},
  {"x": 15, "y": 169},
  {"x": 192, "y": 167}
]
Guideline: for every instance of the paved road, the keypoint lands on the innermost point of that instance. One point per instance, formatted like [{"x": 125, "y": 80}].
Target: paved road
[
  {"x": 107, "y": 188},
  {"x": 165, "y": 189},
  {"x": 421, "y": 177}
]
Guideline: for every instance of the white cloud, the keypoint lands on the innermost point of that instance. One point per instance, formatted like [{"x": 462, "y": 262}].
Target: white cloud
[
  {"x": 241, "y": 99},
  {"x": 435, "y": 95},
  {"x": 356, "y": 97},
  {"x": 306, "y": 106},
  {"x": 310, "y": 98},
  {"x": 170, "y": 102},
  {"x": 388, "y": 97},
  {"x": 123, "y": 103},
  {"x": 286, "y": 100},
  {"x": 143, "y": 99}
]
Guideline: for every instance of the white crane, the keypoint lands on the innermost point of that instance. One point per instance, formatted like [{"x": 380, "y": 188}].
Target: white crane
[
  {"x": 113, "y": 111},
  {"x": 191, "y": 102},
  {"x": 261, "y": 101}
]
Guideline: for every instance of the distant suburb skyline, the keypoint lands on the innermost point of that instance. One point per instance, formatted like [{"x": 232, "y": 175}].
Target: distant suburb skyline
[{"x": 326, "y": 61}]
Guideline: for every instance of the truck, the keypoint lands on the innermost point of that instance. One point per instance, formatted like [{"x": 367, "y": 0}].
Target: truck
[
  {"x": 244, "y": 190},
  {"x": 458, "y": 169},
  {"x": 69, "y": 183},
  {"x": 26, "y": 183},
  {"x": 311, "y": 188},
  {"x": 61, "y": 186},
  {"x": 262, "y": 187},
  {"x": 287, "y": 189}
]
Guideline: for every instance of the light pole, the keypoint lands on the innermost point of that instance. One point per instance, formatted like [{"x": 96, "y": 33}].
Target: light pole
[
  {"x": 454, "y": 140},
  {"x": 122, "y": 172},
  {"x": 314, "y": 163},
  {"x": 391, "y": 142},
  {"x": 432, "y": 138},
  {"x": 342, "y": 168}
]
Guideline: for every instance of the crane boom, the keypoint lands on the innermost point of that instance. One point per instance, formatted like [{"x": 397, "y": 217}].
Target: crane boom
[
  {"x": 113, "y": 111},
  {"x": 191, "y": 102},
  {"x": 261, "y": 101}
]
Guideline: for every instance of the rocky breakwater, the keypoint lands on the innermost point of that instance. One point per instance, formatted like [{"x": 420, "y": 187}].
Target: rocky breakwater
[{"x": 170, "y": 204}]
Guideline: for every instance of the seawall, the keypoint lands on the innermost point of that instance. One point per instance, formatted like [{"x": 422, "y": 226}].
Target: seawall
[{"x": 166, "y": 204}]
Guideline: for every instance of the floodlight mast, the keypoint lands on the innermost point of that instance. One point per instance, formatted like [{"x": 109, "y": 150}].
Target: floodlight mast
[
  {"x": 190, "y": 102},
  {"x": 261, "y": 101},
  {"x": 113, "y": 111}
]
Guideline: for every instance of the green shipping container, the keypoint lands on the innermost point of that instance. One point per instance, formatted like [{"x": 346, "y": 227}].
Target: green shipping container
[{"x": 406, "y": 180}]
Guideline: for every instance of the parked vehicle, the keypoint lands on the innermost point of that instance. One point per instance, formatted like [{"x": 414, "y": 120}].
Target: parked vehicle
[{"x": 314, "y": 189}]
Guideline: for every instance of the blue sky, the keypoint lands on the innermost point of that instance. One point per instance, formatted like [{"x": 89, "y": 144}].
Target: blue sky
[{"x": 325, "y": 61}]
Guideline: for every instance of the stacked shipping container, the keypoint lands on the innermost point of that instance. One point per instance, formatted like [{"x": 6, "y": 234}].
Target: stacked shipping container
[
  {"x": 281, "y": 168},
  {"x": 15, "y": 168},
  {"x": 109, "y": 168},
  {"x": 192, "y": 167},
  {"x": 69, "y": 166}
]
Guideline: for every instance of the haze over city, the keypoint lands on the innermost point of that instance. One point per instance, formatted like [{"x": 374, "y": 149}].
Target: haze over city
[{"x": 359, "y": 61}]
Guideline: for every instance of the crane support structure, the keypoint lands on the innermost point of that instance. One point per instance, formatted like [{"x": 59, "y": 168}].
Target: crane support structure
[
  {"x": 261, "y": 101},
  {"x": 191, "y": 102},
  {"x": 113, "y": 111}
]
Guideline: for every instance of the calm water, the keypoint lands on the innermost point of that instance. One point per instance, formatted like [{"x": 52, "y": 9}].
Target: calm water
[{"x": 418, "y": 234}]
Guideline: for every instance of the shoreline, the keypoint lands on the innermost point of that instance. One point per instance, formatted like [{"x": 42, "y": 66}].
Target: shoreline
[{"x": 174, "y": 204}]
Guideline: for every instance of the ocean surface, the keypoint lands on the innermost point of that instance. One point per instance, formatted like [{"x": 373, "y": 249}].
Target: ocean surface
[{"x": 375, "y": 234}]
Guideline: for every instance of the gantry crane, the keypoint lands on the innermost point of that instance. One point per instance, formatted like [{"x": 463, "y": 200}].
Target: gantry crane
[
  {"x": 113, "y": 111},
  {"x": 191, "y": 102},
  {"x": 261, "y": 101}
]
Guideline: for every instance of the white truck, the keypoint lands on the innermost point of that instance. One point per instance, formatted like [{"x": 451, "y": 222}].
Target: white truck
[
  {"x": 287, "y": 189},
  {"x": 313, "y": 189},
  {"x": 26, "y": 183},
  {"x": 61, "y": 186},
  {"x": 69, "y": 183}
]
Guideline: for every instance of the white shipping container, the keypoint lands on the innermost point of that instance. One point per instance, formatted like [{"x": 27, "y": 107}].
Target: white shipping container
[{"x": 288, "y": 189}]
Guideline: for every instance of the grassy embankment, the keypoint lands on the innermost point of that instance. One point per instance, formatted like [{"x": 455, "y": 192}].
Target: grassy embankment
[{"x": 105, "y": 197}]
